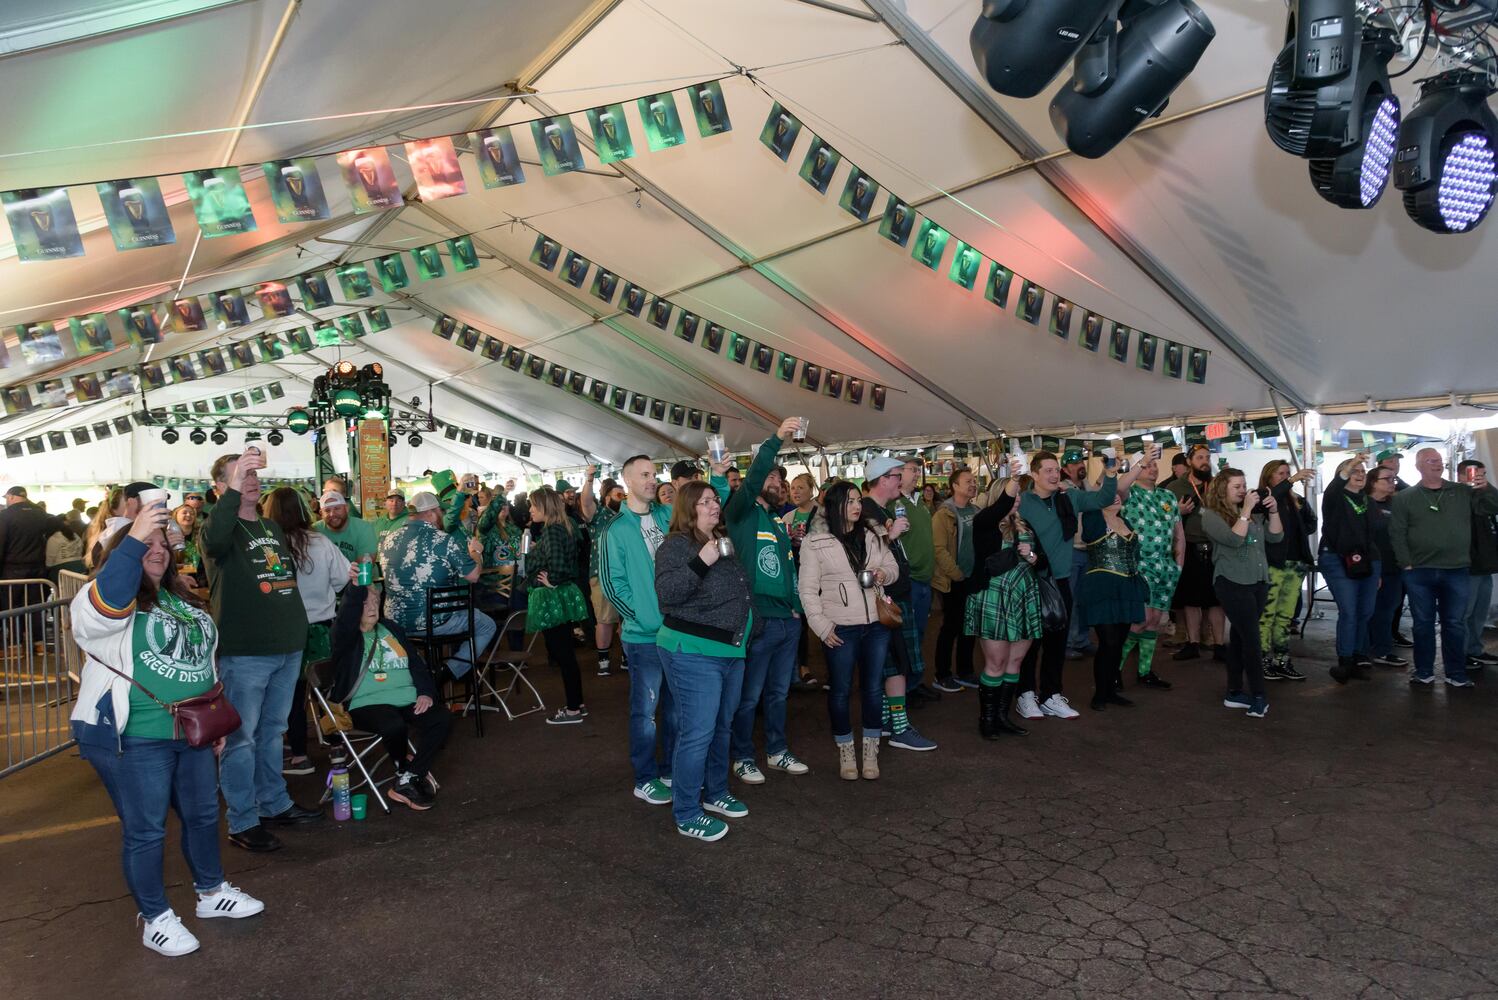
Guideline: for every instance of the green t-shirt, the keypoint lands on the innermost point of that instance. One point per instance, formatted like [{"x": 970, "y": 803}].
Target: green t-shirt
[
  {"x": 252, "y": 585},
  {"x": 919, "y": 545},
  {"x": 355, "y": 540},
  {"x": 673, "y": 641},
  {"x": 172, "y": 646},
  {"x": 386, "y": 678},
  {"x": 385, "y": 524}
]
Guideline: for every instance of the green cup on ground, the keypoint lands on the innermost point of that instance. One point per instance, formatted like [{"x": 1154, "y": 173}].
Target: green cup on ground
[
  {"x": 359, "y": 804},
  {"x": 366, "y": 573}
]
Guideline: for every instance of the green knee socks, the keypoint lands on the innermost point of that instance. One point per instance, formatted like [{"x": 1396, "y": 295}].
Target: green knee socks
[
  {"x": 1146, "y": 651},
  {"x": 895, "y": 719},
  {"x": 1129, "y": 644}
]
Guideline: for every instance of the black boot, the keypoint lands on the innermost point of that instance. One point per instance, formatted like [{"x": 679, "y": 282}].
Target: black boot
[
  {"x": 988, "y": 711},
  {"x": 1344, "y": 669},
  {"x": 1003, "y": 724}
]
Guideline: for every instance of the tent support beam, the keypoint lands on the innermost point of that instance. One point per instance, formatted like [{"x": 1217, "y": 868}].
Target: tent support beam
[
  {"x": 702, "y": 226},
  {"x": 1285, "y": 426},
  {"x": 862, "y": 15},
  {"x": 983, "y": 104}
]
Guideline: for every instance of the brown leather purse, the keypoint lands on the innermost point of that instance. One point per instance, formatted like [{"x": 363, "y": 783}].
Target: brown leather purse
[
  {"x": 202, "y": 720},
  {"x": 890, "y": 614}
]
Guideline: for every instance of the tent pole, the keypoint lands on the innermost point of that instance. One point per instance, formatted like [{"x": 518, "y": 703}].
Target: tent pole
[
  {"x": 982, "y": 103},
  {"x": 1285, "y": 426}
]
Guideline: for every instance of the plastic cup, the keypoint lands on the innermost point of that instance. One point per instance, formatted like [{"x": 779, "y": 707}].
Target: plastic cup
[
  {"x": 717, "y": 448},
  {"x": 366, "y": 573},
  {"x": 802, "y": 426},
  {"x": 359, "y": 804},
  {"x": 148, "y": 497}
]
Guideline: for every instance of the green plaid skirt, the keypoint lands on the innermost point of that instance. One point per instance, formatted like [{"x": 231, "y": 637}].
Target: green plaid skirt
[
  {"x": 548, "y": 607},
  {"x": 1007, "y": 610}
]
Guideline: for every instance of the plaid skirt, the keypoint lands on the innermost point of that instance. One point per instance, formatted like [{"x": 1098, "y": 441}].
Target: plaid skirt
[{"x": 1007, "y": 610}]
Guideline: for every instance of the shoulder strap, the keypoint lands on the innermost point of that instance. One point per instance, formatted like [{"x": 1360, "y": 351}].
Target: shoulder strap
[{"x": 137, "y": 683}]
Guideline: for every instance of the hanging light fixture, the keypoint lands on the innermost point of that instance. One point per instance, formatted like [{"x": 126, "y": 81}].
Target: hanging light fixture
[
  {"x": 298, "y": 420},
  {"x": 1446, "y": 165}
]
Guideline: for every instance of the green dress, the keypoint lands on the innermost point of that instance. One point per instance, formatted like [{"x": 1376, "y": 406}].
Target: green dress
[
  {"x": 1153, "y": 515},
  {"x": 1008, "y": 609},
  {"x": 1112, "y": 592}
]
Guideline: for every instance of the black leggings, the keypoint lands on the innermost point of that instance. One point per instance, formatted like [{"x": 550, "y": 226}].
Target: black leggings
[
  {"x": 1244, "y": 606},
  {"x": 1049, "y": 653},
  {"x": 296, "y": 722},
  {"x": 953, "y": 604},
  {"x": 428, "y": 731},
  {"x": 1108, "y": 658},
  {"x": 559, "y": 650}
]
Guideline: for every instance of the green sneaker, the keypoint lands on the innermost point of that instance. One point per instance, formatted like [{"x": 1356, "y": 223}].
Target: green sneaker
[
  {"x": 703, "y": 828},
  {"x": 653, "y": 793},
  {"x": 727, "y": 805}
]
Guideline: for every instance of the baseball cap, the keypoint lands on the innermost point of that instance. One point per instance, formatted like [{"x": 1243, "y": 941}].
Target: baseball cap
[
  {"x": 563, "y": 486},
  {"x": 881, "y": 466},
  {"x": 1073, "y": 455},
  {"x": 1389, "y": 453},
  {"x": 423, "y": 502},
  {"x": 685, "y": 470},
  {"x": 332, "y": 498},
  {"x": 137, "y": 488},
  {"x": 396, "y": 494},
  {"x": 16, "y": 491}
]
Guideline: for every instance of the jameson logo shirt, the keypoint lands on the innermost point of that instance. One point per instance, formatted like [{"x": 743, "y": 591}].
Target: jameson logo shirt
[
  {"x": 251, "y": 584},
  {"x": 173, "y": 647}
]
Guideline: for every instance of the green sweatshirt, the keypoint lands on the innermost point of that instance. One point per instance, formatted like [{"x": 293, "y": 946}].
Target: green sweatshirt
[
  {"x": 920, "y": 548},
  {"x": 1432, "y": 529},
  {"x": 251, "y": 584},
  {"x": 760, "y": 539}
]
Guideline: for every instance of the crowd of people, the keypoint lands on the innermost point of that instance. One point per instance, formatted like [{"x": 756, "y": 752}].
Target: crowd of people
[{"x": 716, "y": 586}]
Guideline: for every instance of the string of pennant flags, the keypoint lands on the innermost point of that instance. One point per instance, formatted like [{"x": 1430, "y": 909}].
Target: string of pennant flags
[
  {"x": 928, "y": 243},
  {"x": 482, "y": 439},
  {"x": 44, "y": 226},
  {"x": 661, "y": 313},
  {"x": 623, "y": 399}
]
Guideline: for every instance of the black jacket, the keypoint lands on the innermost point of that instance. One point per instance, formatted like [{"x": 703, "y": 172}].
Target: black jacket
[
  {"x": 1296, "y": 545},
  {"x": 1484, "y": 544},
  {"x": 348, "y": 649},
  {"x": 1343, "y": 529},
  {"x": 710, "y": 602},
  {"x": 24, "y": 530}
]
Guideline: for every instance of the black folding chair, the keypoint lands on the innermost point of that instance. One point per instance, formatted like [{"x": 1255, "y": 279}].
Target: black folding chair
[
  {"x": 513, "y": 660},
  {"x": 436, "y": 649}
]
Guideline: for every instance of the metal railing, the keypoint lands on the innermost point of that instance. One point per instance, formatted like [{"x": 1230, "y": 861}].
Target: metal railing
[{"x": 39, "y": 664}]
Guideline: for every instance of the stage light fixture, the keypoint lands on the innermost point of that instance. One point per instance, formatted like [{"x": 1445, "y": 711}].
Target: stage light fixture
[
  {"x": 1357, "y": 178},
  {"x": 198, "y": 436},
  {"x": 298, "y": 420},
  {"x": 219, "y": 435},
  {"x": 414, "y": 440},
  {"x": 1329, "y": 115},
  {"x": 275, "y": 439},
  {"x": 345, "y": 370},
  {"x": 346, "y": 402},
  {"x": 170, "y": 436},
  {"x": 1123, "y": 77},
  {"x": 1020, "y": 45},
  {"x": 1445, "y": 164}
]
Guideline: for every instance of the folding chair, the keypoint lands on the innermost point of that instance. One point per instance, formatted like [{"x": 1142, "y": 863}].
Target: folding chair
[
  {"x": 358, "y": 743},
  {"x": 443, "y": 601},
  {"x": 503, "y": 660}
]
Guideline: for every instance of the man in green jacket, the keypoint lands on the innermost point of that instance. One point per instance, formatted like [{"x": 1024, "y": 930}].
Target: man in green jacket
[
  {"x": 765, "y": 550},
  {"x": 1431, "y": 532},
  {"x": 626, "y": 576}
]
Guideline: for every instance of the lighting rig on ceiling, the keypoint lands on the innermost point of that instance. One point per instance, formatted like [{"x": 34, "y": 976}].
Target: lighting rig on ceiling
[
  {"x": 1330, "y": 101},
  {"x": 1128, "y": 57}
]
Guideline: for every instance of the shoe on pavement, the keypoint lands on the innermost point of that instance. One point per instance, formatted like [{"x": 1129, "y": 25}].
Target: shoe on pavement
[
  {"x": 746, "y": 772},
  {"x": 1154, "y": 680},
  {"x": 727, "y": 805},
  {"x": 1465, "y": 682},
  {"x": 566, "y": 718},
  {"x": 1190, "y": 651},
  {"x": 1058, "y": 707},
  {"x": 703, "y": 828},
  {"x": 1426, "y": 679},
  {"x": 603, "y": 668},
  {"x": 166, "y": 936},
  {"x": 298, "y": 765},
  {"x": 653, "y": 793},
  {"x": 1390, "y": 660},
  {"x": 1028, "y": 707},
  {"x": 787, "y": 762},
  {"x": 257, "y": 839},
  {"x": 1288, "y": 672},
  {"x": 293, "y": 815},
  {"x": 1403, "y": 641},
  {"x": 408, "y": 790},
  {"x": 912, "y": 740},
  {"x": 1237, "y": 699},
  {"x": 1486, "y": 659},
  {"x": 1259, "y": 708},
  {"x": 228, "y": 901},
  {"x": 966, "y": 682},
  {"x": 947, "y": 685}
]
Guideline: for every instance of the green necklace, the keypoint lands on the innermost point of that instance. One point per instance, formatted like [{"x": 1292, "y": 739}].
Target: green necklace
[
  {"x": 1358, "y": 508},
  {"x": 1435, "y": 504}
]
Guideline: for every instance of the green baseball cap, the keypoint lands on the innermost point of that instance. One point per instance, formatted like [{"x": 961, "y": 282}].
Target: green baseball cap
[
  {"x": 1389, "y": 453},
  {"x": 563, "y": 486},
  {"x": 1073, "y": 455}
]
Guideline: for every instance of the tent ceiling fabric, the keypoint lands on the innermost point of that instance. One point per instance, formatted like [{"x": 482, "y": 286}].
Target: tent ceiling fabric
[{"x": 1306, "y": 286}]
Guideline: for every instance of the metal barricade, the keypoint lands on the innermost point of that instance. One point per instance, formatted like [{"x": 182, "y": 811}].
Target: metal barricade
[{"x": 39, "y": 664}]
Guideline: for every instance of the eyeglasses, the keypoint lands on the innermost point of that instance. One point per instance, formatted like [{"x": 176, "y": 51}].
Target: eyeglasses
[{"x": 711, "y": 500}]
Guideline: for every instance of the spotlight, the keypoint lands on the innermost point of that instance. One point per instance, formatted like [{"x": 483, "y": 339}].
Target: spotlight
[
  {"x": 374, "y": 370},
  {"x": 345, "y": 370},
  {"x": 1357, "y": 178},
  {"x": 170, "y": 436},
  {"x": 298, "y": 420},
  {"x": 1020, "y": 45},
  {"x": 1446, "y": 165},
  {"x": 1328, "y": 114},
  {"x": 219, "y": 435},
  {"x": 414, "y": 440},
  {"x": 1123, "y": 78},
  {"x": 274, "y": 439},
  {"x": 198, "y": 436}
]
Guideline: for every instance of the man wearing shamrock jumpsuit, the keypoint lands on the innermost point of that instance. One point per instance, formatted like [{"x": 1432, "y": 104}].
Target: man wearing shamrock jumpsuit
[{"x": 1154, "y": 514}]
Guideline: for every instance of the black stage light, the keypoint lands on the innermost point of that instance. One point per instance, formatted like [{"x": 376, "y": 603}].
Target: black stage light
[
  {"x": 219, "y": 435},
  {"x": 1446, "y": 164},
  {"x": 198, "y": 436},
  {"x": 275, "y": 438},
  {"x": 1359, "y": 115},
  {"x": 414, "y": 440},
  {"x": 1313, "y": 98},
  {"x": 1020, "y": 45},
  {"x": 169, "y": 436},
  {"x": 1123, "y": 78}
]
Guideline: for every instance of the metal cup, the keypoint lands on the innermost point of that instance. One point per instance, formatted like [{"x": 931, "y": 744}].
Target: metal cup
[
  {"x": 725, "y": 547},
  {"x": 866, "y": 578}
]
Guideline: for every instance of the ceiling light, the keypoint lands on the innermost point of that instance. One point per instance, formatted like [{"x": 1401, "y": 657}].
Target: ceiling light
[
  {"x": 170, "y": 436},
  {"x": 219, "y": 435},
  {"x": 1020, "y": 45},
  {"x": 198, "y": 436},
  {"x": 274, "y": 438},
  {"x": 1446, "y": 164}
]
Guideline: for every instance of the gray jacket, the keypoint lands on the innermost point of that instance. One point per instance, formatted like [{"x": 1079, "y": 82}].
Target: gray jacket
[{"x": 710, "y": 602}]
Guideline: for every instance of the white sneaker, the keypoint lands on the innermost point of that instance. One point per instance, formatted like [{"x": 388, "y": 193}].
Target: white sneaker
[
  {"x": 1027, "y": 707},
  {"x": 1058, "y": 707},
  {"x": 166, "y": 936},
  {"x": 746, "y": 772},
  {"x": 228, "y": 901},
  {"x": 785, "y": 761}
]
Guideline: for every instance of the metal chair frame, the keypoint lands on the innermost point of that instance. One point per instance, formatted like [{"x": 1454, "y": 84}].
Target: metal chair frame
[{"x": 514, "y": 661}]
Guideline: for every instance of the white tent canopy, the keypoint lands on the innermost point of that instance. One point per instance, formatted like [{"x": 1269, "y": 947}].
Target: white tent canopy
[{"x": 1196, "y": 229}]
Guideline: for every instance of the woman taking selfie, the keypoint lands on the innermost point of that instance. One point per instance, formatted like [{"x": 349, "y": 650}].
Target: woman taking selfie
[
  {"x": 151, "y": 644},
  {"x": 1239, "y": 523},
  {"x": 843, "y": 562},
  {"x": 704, "y": 600},
  {"x": 1004, "y": 615}
]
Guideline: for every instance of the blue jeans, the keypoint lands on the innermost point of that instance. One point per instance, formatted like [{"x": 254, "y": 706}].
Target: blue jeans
[
  {"x": 648, "y": 691},
  {"x": 706, "y": 689},
  {"x": 1385, "y": 610},
  {"x": 1077, "y": 638},
  {"x": 1479, "y": 599},
  {"x": 1443, "y": 592},
  {"x": 145, "y": 779},
  {"x": 864, "y": 648},
  {"x": 919, "y": 602},
  {"x": 767, "y": 670},
  {"x": 483, "y": 632},
  {"x": 249, "y": 770},
  {"x": 1354, "y": 602}
]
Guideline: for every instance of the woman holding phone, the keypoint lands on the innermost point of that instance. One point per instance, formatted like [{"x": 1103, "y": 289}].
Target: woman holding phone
[
  {"x": 1239, "y": 522},
  {"x": 144, "y": 631},
  {"x": 1349, "y": 563}
]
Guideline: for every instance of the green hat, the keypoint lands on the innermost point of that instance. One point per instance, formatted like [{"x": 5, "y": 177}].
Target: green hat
[
  {"x": 563, "y": 486},
  {"x": 444, "y": 482},
  {"x": 1389, "y": 453},
  {"x": 1073, "y": 455}
]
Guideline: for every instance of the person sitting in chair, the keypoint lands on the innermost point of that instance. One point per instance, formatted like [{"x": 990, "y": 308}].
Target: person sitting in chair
[{"x": 389, "y": 692}]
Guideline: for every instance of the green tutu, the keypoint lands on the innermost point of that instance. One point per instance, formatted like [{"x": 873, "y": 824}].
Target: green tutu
[{"x": 548, "y": 607}]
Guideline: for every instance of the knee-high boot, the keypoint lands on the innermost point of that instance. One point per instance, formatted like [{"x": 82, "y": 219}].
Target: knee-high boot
[
  {"x": 988, "y": 711},
  {"x": 1002, "y": 722}
]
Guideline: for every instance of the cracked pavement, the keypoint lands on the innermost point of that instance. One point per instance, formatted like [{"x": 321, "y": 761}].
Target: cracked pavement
[{"x": 1343, "y": 847}]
